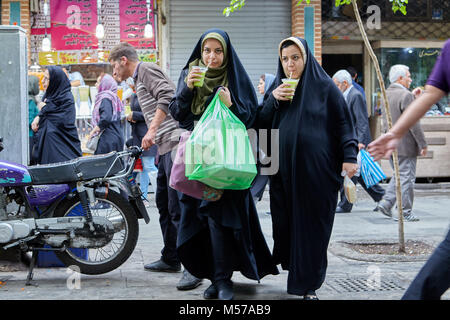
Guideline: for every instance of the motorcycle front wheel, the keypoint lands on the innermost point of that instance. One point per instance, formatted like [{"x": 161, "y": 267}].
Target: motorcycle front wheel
[{"x": 117, "y": 251}]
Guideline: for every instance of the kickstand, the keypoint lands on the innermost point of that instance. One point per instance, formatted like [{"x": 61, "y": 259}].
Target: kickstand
[{"x": 30, "y": 272}]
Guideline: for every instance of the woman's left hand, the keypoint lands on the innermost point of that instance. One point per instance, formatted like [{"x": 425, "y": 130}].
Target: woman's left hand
[
  {"x": 225, "y": 96},
  {"x": 35, "y": 124},
  {"x": 41, "y": 105},
  {"x": 350, "y": 168}
]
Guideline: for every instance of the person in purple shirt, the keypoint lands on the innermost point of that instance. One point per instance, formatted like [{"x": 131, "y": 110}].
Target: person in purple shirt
[{"x": 434, "y": 278}]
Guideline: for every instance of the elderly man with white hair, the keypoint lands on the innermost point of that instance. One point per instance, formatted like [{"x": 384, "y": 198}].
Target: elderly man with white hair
[
  {"x": 358, "y": 109},
  {"x": 411, "y": 145}
]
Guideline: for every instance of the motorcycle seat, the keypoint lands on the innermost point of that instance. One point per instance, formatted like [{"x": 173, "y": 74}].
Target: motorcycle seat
[{"x": 79, "y": 169}]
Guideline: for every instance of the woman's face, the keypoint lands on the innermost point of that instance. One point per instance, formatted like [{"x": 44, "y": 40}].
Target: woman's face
[
  {"x": 46, "y": 79},
  {"x": 97, "y": 84},
  {"x": 292, "y": 61},
  {"x": 212, "y": 54},
  {"x": 261, "y": 86}
]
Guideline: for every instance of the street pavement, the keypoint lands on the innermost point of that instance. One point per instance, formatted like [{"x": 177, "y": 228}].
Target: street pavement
[{"x": 347, "y": 279}]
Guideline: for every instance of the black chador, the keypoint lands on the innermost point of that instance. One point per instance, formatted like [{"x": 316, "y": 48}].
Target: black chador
[
  {"x": 316, "y": 136},
  {"x": 57, "y": 138},
  {"x": 217, "y": 238}
]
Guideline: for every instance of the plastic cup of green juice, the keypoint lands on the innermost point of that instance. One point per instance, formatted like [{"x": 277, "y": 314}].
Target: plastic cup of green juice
[
  {"x": 202, "y": 71},
  {"x": 292, "y": 83}
]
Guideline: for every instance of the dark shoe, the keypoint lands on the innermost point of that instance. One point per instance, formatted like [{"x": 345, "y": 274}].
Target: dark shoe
[
  {"x": 310, "y": 295},
  {"x": 224, "y": 289},
  {"x": 210, "y": 293},
  {"x": 188, "y": 281},
  {"x": 161, "y": 266},
  {"x": 340, "y": 210}
]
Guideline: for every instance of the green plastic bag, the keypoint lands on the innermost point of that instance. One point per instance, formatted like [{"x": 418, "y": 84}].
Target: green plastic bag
[{"x": 218, "y": 152}]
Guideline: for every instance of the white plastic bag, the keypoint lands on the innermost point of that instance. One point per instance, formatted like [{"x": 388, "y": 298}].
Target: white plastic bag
[{"x": 349, "y": 189}]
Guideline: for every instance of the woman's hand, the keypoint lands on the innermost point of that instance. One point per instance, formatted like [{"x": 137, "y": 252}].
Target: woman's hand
[
  {"x": 130, "y": 117},
  {"x": 193, "y": 76},
  {"x": 94, "y": 131},
  {"x": 350, "y": 168},
  {"x": 35, "y": 124},
  {"x": 41, "y": 105},
  {"x": 225, "y": 96},
  {"x": 283, "y": 92}
]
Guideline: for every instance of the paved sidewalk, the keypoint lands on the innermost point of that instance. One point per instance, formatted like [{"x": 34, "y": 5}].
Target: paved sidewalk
[{"x": 346, "y": 279}]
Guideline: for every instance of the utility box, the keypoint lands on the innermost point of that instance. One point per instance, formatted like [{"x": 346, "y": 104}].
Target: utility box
[{"x": 14, "y": 94}]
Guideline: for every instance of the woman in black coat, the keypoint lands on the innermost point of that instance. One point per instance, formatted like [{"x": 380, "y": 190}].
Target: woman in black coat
[
  {"x": 316, "y": 143},
  {"x": 217, "y": 238},
  {"x": 56, "y": 137}
]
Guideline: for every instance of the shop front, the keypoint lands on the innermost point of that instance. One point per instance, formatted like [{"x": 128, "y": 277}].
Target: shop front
[
  {"x": 420, "y": 57},
  {"x": 79, "y": 37},
  {"x": 414, "y": 40}
]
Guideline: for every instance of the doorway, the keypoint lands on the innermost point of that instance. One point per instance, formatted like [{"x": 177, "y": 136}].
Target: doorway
[{"x": 332, "y": 63}]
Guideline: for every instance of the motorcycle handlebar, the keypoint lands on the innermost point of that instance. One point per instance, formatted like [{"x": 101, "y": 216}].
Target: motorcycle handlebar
[{"x": 136, "y": 151}]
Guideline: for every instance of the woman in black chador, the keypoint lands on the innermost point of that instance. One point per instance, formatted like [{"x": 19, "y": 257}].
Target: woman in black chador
[
  {"x": 56, "y": 139},
  {"x": 217, "y": 238},
  {"x": 316, "y": 143}
]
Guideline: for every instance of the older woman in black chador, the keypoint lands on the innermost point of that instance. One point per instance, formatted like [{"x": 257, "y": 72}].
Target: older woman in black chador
[
  {"x": 56, "y": 136},
  {"x": 217, "y": 238},
  {"x": 316, "y": 143}
]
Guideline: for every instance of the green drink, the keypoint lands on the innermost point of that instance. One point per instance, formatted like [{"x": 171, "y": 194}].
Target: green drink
[
  {"x": 202, "y": 71},
  {"x": 292, "y": 84}
]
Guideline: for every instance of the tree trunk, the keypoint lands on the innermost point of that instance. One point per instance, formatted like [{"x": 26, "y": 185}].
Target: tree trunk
[{"x": 389, "y": 120}]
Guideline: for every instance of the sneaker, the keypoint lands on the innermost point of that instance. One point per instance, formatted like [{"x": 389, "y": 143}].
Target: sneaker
[
  {"x": 407, "y": 217},
  {"x": 188, "y": 281},
  {"x": 161, "y": 266},
  {"x": 384, "y": 211}
]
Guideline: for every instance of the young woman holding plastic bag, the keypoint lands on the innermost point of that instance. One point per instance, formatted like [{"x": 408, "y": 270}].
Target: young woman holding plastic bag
[{"x": 217, "y": 238}]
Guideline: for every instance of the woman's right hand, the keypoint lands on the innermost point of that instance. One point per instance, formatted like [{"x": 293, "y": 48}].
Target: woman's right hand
[
  {"x": 194, "y": 75},
  {"x": 283, "y": 92}
]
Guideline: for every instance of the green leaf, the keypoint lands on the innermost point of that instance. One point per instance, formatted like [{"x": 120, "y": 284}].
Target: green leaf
[{"x": 403, "y": 10}]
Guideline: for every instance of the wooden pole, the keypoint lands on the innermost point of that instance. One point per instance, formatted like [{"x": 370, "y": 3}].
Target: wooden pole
[{"x": 389, "y": 120}]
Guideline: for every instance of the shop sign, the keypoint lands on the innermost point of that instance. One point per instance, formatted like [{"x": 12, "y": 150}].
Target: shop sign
[
  {"x": 133, "y": 18},
  {"x": 73, "y": 24}
]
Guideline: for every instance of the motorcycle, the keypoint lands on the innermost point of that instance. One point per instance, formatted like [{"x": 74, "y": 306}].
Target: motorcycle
[{"x": 91, "y": 203}]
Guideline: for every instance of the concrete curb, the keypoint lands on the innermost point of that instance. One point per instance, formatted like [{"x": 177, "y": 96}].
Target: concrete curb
[{"x": 340, "y": 249}]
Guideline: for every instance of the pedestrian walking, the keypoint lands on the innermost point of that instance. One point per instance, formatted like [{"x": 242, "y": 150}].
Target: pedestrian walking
[
  {"x": 217, "y": 238},
  {"x": 358, "y": 110},
  {"x": 106, "y": 116},
  {"x": 33, "y": 91},
  {"x": 260, "y": 181},
  {"x": 138, "y": 130},
  {"x": 316, "y": 143},
  {"x": 56, "y": 134},
  {"x": 154, "y": 91},
  {"x": 433, "y": 280},
  {"x": 411, "y": 145}
]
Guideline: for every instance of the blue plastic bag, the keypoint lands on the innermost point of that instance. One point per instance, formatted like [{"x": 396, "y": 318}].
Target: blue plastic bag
[{"x": 370, "y": 170}]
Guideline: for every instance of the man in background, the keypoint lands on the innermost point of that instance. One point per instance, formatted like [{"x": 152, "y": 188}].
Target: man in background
[{"x": 358, "y": 109}]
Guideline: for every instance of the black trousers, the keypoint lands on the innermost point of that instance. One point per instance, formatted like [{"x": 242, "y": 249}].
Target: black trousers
[
  {"x": 376, "y": 192},
  {"x": 258, "y": 186},
  {"x": 434, "y": 278},
  {"x": 223, "y": 251},
  {"x": 169, "y": 210}
]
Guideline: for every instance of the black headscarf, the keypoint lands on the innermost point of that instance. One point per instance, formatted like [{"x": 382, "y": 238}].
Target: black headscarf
[
  {"x": 243, "y": 94},
  {"x": 60, "y": 104}
]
